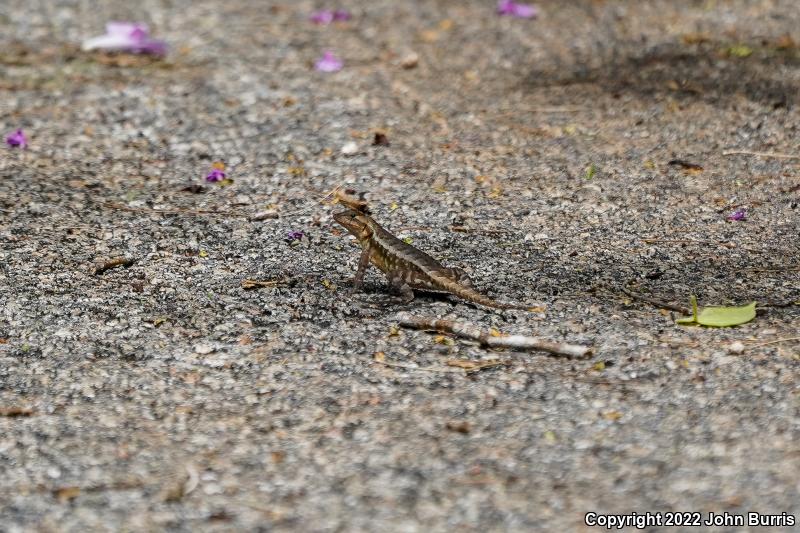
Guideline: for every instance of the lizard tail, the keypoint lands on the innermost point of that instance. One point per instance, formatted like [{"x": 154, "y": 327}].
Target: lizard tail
[{"x": 471, "y": 295}]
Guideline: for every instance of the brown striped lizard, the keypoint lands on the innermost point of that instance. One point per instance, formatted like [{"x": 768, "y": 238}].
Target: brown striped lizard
[{"x": 406, "y": 267}]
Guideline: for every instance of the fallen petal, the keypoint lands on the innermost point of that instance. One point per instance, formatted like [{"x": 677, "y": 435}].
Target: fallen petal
[
  {"x": 324, "y": 16},
  {"x": 112, "y": 42},
  {"x": 215, "y": 175},
  {"x": 525, "y": 11},
  {"x": 514, "y": 9},
  {"x": 328, "y": 63},
  {"x": 17, "y": 139},
  {"x": 137, "y": 30},
  {"x": 738, "y": 215},
  {"x": 133, "y": 37}
]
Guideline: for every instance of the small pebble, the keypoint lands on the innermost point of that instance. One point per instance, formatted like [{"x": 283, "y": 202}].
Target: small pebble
[
  {"x": 350, "y": 148},
  {"x": 736, "y": 347},
  {"x": 410, "y": 60}
]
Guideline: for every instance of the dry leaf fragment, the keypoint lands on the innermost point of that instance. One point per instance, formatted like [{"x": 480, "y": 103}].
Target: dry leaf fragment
[
  {"x": 785, "y": 42},
  {"x": 443, "y": 339},
  {"x": 277, "y": 456},
  {"x": 380, "y": 139},
  {"x": 459, "y": 426},
  {"x": 686, "y": 165},
  {"x": 429, "y": 36},
  {"x": 348, "y": 199},
  {"x": 16, "y": 411},
  {"x": 695, "y": 38},
  {"x": 66, "y": 494}
]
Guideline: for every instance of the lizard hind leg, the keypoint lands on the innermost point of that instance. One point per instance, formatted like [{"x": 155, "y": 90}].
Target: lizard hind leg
[
  {"x": 462, "y": 277},
  {"x": 401, "y": 287}
]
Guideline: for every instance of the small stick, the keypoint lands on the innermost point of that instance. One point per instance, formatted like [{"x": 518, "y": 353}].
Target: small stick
[
  {"x": 776, "y": 341},
  {"x": 657, "y": 303},
  {"x": 465, "y": 229},
  {"x": 761, "y": 154},
  {"x": 472, "y": 366},
  {"x": 680, "y": 241},
  {"x": 469, "y": 331},
  {"x": 563, "y": 109},
  {"x": 114, "y": 263},
  {"x": 254, "y": 283}
]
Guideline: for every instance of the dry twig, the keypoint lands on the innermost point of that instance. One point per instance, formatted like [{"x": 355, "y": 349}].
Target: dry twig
[
  {"x": 255, "y": 283},
  {"x": 776, "y": 341},
  {"x": 653, "y": 240},
  {"x": 114, "y": 263},
  {"x": 761, "y": 154},
  {"x": 469, "y": 331}
]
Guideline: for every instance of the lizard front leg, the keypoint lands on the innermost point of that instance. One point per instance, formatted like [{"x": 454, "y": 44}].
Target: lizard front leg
[
  {"x": 363, "y": 263},
  {"x": 399, "y": 285}
]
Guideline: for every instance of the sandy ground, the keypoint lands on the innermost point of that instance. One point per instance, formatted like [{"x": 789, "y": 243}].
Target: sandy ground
[{"x": 535, "y": 154}]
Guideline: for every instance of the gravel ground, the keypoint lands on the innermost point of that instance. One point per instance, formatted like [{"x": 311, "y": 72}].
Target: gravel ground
[{"x": 535, "y": 154}]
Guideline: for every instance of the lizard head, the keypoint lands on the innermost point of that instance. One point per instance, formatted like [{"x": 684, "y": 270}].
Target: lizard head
[{"x": 354, "y": 222}]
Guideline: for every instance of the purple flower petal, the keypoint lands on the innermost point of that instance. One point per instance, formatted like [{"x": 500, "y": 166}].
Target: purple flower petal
[
  {"x": 326, "y": 16},
  {"x": 216, "y": 175},
  {"x": 294, "y": 236},
  {"x": 150, "y": 46},
  {"x": 328, "y": 63},
  {"x": 739, "y": 214},
  {"x": 135, "y": 30},
  {"x": 17, "y": 139},
  {"x": 323, "y": 16},
  {"x": 340, "y": 15},
  {"x": 514, "y": 9},
  {"x": 131, "y": 37}
]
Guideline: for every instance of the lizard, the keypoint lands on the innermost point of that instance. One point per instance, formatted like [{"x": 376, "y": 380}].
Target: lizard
[{"x": 406, "y": 267}]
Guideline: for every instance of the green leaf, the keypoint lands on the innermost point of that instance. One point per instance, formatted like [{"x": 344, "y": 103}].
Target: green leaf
[
  {"x": 591, "y": 170},
  {"x": 720, "y": 317}
]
